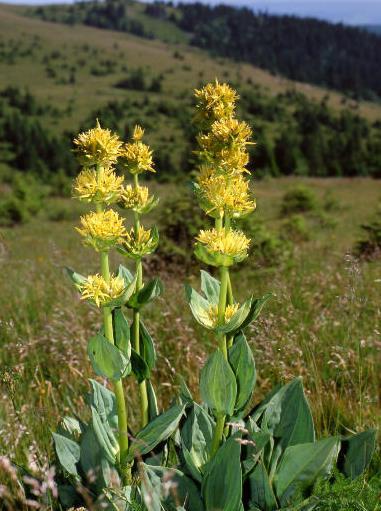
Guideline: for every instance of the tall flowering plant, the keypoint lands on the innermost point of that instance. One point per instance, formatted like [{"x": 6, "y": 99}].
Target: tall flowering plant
[
  {"x": 223, "y": 454},
  {"x": 97, "y": 455}
]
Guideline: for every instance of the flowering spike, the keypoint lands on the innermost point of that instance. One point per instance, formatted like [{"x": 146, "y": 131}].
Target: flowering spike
[{"x": 97, "y": 146}]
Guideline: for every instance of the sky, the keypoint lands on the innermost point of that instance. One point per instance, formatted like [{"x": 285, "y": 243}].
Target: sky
[{"x": 353, "y": 12}]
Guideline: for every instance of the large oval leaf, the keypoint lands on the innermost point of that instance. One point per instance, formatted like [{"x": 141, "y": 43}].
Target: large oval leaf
[
  {"x": 242, "y": 362},
  {"x": 147, "y": 347},
  {"x": 107, "y": 360},
  {"x": 357, "y": 452},
  {"x": 218, "y": 386},
  {"x": 103, "y": 400},
  {"x": 302, "y": 464},
  {"x": 210, "y": 287},
  {"x": 196, "y": 435},
  {"x": 121, "y": 332},
  {"x": 156, "y": 431},
  {"x": 222, "y": 482},
  {"x": 261, "y": 492},
  {"x": 68, "y": 453}
]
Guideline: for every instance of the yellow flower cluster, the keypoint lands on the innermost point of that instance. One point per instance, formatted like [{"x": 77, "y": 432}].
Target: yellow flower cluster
[
  {"x": 102, "y": 230},
  {"x": 221, "y": 186},
  {"x": 215, "y": 101},
  {"x": 136, "y": 156},
  {"x": 229, "y": 243},
  {"x": 230, "y": 310},
  {"x": 138, "y": 199},
  {"x": 97, "y": 146},
  {"x": 98, "y": 186},
  {"x": 97, "y": 290},
  {"x": 221, "y": 193},
  {"x": 140, "y": 243}
]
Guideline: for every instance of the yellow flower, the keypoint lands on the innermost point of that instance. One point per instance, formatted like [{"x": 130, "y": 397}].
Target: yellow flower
[
  {"x": 138, "y": 199},
  {"x": 144, "y": 242},
  {"x": 97, "y": 146},
  {"x": 219, "y": 193},
  {"x": 226, "y": 137},
  {"x": 230, "y": 310},
  {"x": 215, "y": 101},
  {"x": 102, "y": 186},
  {"x": 102, "y": 230},
  {"x": 231, "y": 243},
  {"x": 138, "y": 133},
  {"x": 137, "y": 156},
  {"x": 97, "y": 290}
]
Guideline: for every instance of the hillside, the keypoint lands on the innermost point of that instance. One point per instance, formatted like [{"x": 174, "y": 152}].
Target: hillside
[
  {"x": 305, "y": 49},
  {"x": 74, "y": 73}
]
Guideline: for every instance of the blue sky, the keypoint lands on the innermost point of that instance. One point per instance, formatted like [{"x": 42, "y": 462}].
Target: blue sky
[{"x": 355, "y": 12}]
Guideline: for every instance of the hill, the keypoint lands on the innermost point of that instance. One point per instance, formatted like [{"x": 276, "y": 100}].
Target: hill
[
  {"x": 56, "y": 78},
  {"x": 304, "y": 49}
]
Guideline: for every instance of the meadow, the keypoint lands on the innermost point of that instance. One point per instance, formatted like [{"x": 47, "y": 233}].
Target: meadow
[
  {"x": 324, "y": 320},
  {"x": 323, "y": 324}
]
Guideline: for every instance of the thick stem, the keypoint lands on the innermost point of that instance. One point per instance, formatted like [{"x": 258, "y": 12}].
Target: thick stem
[
  {"x": 217, "y": 436},
  {"x": 136, "y": 322},
  {"x": 118, "y": 385},
  {"x": 220, "y": 424}
]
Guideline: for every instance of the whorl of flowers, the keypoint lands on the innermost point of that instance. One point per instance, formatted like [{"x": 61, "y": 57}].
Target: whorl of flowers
[
  {"x": 136, "y": 156},
  {"x": 140, "y": 242},
  {"x": 97, "y": 290},
  {"x": 229, "y": 243},
  {"x": 230, "y": 310},
  {"x": 215, "y": 101},
  {"x": 102, "y": 186},
  {"x": 97, "y": 146},
  {"x": 220, "y": 193},
  {"x": 138, "y": 199},
  {"x": 102, "y": 230}
]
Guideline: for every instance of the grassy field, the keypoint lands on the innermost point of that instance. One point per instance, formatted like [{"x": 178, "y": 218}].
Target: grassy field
[{"x": 323, "y": 324}]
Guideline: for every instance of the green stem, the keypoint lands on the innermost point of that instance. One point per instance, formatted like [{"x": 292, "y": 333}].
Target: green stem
[
  {"x": 136, "y": 322},
  {"x": 217, "y": 436},
  {"x": 118, "y": 386}
]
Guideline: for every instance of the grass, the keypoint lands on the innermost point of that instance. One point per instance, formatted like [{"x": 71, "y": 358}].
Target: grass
[{"x": 321, "y": 325}]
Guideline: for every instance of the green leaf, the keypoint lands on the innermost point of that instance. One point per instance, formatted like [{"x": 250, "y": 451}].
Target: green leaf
[
  {"x": 91, "y": 457},
  {"x": 210, "y": 287},
  {"x": 261, "y": 492},
  {"x": 103, "y": 400},
  {"x": 253, "y": 451},
  {"x": 156, "y": 431},
  {"x": 182, "y": 494},
  {"x": 196, "y": 435},
  {"x": 125, "y": 274},
  {"x": 107, "y": 360},
  {"x": 68, "y": 453},
  {"x": 256, "y": 308},
  {"x": 242, "y": 362},
  {"x": 216, "y": 258},
  {"x": 77, "y": 279},
  {"x": 236, "y": 320},
  {"x": 105, "y": 436},
  {"x": 122, "y": 332},
  {"x": 153, "y": 410},
  {"x": 71, "y": 428},
  {"x": 68, "y": 495},
  {"x": 222, "y": 482},
  {"x": 199, "y": 307},
  {"x": 139, "y": 367},
  {"x": 288, "y": 418},
  {"x": 218, "y": 386},
  {"x": 147, "y": 347},
  {"x": 302, "y": 464},
  {"x": 357, "y": 452},
  {"x": 149, "y": 292}
]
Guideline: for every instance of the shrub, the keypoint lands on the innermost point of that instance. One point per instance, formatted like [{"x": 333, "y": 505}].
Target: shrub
[
  {"x": 24, "y": 201},
  {"x": 299, "y": 200},
  {"x": 369, "y": 247},
  {"x": 296, "y": 228}
]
